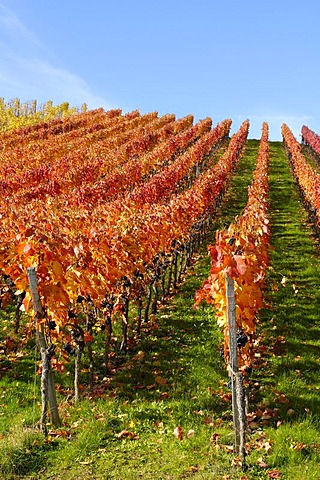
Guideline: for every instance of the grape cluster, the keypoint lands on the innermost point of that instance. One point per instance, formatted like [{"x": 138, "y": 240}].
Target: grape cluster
[
  {"x": 242, "y": 339},
  {"x": 67, "y": 347}
]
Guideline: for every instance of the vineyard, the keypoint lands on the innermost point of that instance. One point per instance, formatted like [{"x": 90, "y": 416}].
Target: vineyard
[{"x": 109, "y": 297}]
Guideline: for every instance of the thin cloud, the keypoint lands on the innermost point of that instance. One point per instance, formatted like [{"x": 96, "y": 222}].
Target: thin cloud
[
  {"x": 14, "y": 29},
  {"x": 27, "y": 69},
  {"x": 61, "y": 83}
]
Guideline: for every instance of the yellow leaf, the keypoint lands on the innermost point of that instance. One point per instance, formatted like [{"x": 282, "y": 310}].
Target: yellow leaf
[{"x": 57, "y": 269}]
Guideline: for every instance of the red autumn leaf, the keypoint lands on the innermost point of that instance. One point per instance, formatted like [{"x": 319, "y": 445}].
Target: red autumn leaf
[
  {"x": 87, "y": 337},
  {"x": 29, "y": 232}
]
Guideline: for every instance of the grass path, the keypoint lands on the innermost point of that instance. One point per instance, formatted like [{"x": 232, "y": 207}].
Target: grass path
[{"x": 291, "y": 329}]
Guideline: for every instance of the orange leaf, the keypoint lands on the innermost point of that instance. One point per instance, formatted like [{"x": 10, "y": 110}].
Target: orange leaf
[
  {"x": 6, "y": 299},
  {"x": 161, "y": 380},
  {"x": 127, "y": 434},
  {"x": 27, "y": 302},
  {"x": 20, "y": 248},
  {"x": 57, "y": 269}
]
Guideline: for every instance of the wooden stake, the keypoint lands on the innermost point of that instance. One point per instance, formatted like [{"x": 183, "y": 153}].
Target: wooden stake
[
  {"x": 47, "y": 382},
  {"x": 238, "y": 397}
]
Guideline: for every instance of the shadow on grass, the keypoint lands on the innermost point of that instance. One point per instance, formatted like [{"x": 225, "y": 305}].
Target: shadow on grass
[
  {"x": 178, "y": 358},
  {"x": 25, "y": 453}
]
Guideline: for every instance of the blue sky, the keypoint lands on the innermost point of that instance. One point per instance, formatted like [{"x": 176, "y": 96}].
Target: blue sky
[{"x": 224, "y": 59}]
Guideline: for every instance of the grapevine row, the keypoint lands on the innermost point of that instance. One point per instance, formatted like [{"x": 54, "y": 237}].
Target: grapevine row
[
  {"x": 47, "y": 150},
  {"x": 55, "y": 162},
  {"x": 311, "y": 140},
  {"x": 138, "y": 169},
  {"x": 161, "y": 185},
  {"x": 241, "y": 251},
  {"x": 306, "y": 177},
  {"x": 56, "y": 126},
  {"x": 92, "y": 255}
]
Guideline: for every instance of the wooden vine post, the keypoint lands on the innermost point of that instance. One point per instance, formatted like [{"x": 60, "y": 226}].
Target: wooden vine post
[
  {"x": 48, "y": 394},
  {"x": 238, "y": 392}
]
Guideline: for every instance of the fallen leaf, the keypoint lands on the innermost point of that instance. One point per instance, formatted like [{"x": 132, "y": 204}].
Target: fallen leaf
[
  {"x": 199, "y": 412},
  {"x": 274, "y": 474},
  {"x": 158, "y": 424},
  {"x": 60, "y": 433},
  {"x": 127, "y": 434},
  {"x": 283, "y": 399},
  {"x": 215, "y": 438},
  {"x": 261, "y": 463},
  {"x": 190, "y": 433},
  {"x": 208, "y": 421},
  {"x": 193, "y": 469},
  {"x": 237, "y": 462},
  {"x": 163, "y": 395},
  {"x": 266, "y": 445},
  {"x": 298, "y": 446},
  {"x": 178, "y": 433},
  {"x": 160, "y": 380},
  {"x": 139, "y": 356},
  {"x": 227, "y": 448},
  {"x": 151, "y": 387}
]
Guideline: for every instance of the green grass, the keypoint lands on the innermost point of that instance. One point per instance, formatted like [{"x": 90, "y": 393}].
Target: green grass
[
  {"x": 292, "y": 362},
  {"x": 175, "y": 377}
]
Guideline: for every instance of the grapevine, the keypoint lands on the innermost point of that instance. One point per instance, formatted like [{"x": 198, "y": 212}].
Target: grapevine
[
  {"x": 311, "y": 140},
  {"x": 241, "y": 251},
  {"x": 91, "y": 262},
  {"x": 307, "y": 178}
]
